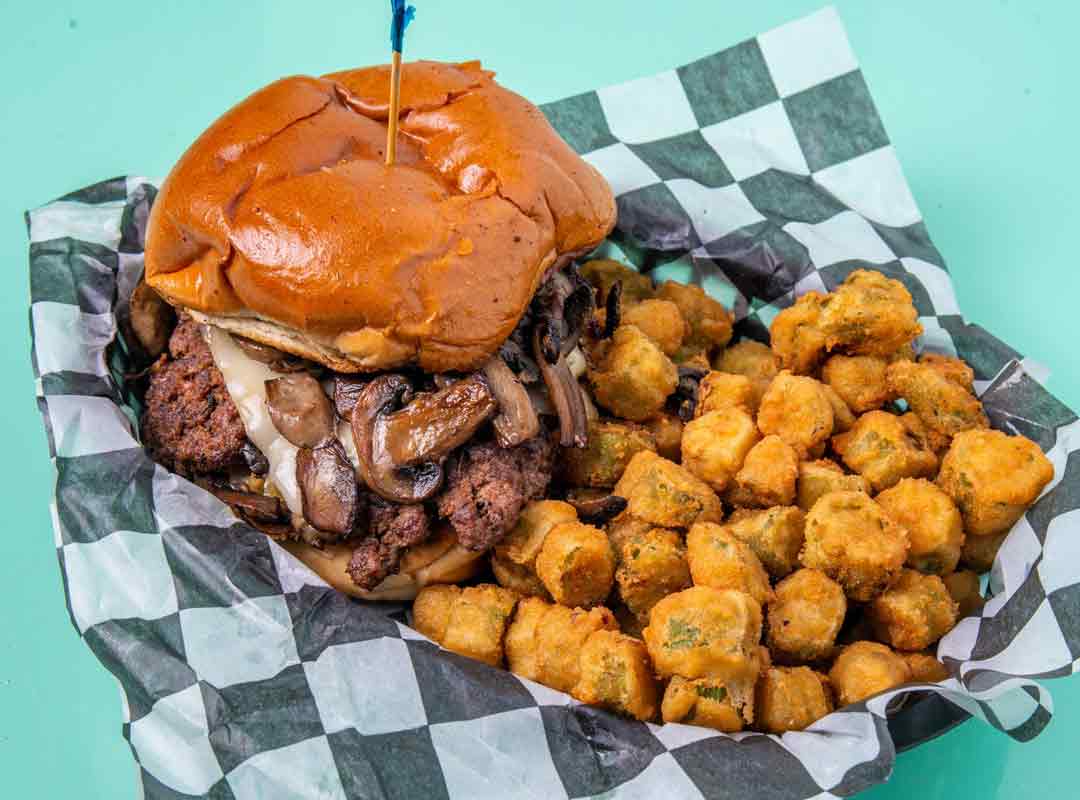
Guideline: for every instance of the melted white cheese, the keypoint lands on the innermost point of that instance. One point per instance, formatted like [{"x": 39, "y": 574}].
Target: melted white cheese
[{"x": 245, "y": 380}]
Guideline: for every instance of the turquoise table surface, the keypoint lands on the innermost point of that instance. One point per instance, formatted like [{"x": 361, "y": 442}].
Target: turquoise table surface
[{"x": 979, "y": 97}]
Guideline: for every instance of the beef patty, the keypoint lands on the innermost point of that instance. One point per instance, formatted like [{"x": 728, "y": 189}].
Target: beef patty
[
  {"x": 487, "y": 486},
  {"x": 190, "y": 424}
]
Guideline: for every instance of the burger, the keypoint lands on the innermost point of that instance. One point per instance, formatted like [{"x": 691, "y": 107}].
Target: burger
[{"x": 373, "y": 364}]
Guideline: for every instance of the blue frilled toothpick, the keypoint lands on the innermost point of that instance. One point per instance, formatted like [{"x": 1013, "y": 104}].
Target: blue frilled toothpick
[{"x": 401, "y": 16}]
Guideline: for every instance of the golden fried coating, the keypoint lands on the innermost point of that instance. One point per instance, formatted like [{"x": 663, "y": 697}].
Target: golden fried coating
[
  {"x": 576, "y": 564},
  {"x": 943, "y": 404},
  {"x": 993, "y": 478},
  {"x": 864, "y": 669},
  {"x": 980, "y": 551},
  {"x": 791, "y": 699},
  {"x": 615, "y": 673},
  {"x": 797, "y": 410},
  {"x": 797, "y": 340},
  {"x": 665, "y": 494},
  {"x": 652, "y": 565},
  {"x": 704, "y": 632},
  {"x": 804, "y": 617},
  {"x": 914, "y": 612},
  {"x": 767, "y": 477},
  {"x": 601, "y": 462},
  {"x": 774, "y": 534},
  {"x": 752, "y": 359},
  {"x": 823, "y": 476},
  {"x": 634, "y": 377},
  {"x": 859, "y": 380},
  {"x": 707, "y": 703},
  {"x": 517, "y": 577},
  {"x": 544, "y": 641},
  {"x": 667, "y": 432},
  {"x": 882, "y": 449},
  {"x": 964, "y": 588},
  {"x": 952, "y": 368},
  {"x": 719, "y": 559},
  {"x": 715, "y": 445},
  {"x": 925, "y": 668},
  {"x": 603, "y": 274},
  {"x": 843, "y": 419},
  {"x": 722, "y": 390},
  {"x": 432, "y": 607},
  {"x": 470, "y": 621},
  {"x": 924, "y": 436},
  {"x": 661, "y": 321},
  {"x": 522, "y": 544},
  {"x": 851, "y": 539},
  {"x": 869, "y": 315},
  {"x": 710, "y": 323},
  {"x": 932, "y": 521}
]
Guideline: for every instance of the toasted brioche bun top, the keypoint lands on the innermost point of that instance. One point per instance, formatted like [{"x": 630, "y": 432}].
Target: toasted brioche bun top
[{"x": 282, "y": 223}]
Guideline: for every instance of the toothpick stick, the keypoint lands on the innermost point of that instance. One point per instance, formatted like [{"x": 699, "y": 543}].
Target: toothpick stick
[
  {"x": 395, "y": 105},
  {"x": 401, "y": 16}
]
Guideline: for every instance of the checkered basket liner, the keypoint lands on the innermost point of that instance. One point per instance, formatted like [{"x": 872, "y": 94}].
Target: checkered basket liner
[{"x": 759, "y": 172}]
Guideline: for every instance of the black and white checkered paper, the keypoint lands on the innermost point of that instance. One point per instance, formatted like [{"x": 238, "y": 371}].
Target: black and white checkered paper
[{"x": 760, "y": 172}]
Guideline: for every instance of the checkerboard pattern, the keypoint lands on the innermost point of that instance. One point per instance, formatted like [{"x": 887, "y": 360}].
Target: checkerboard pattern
[{"x": 760, "y": 172}]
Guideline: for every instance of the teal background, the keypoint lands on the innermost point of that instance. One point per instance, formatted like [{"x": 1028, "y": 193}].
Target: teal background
[{"x": 979, "y": 97}]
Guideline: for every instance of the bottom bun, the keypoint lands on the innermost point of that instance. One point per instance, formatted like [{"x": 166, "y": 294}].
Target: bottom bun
[{"x": 439, "y": 559}]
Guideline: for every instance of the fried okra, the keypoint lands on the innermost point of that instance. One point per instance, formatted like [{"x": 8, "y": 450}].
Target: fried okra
[
  {"x": 719, "y": 559},
  {"x": 576, "y": 564},
  {"x": 869, "y": 314},
  {"x": 774, "y": 534},
  {"x": 843, "y": 419},
  {"x": 932, "y": 521},
  {"x": 797, "y": 410},
  {"x": 817, "y": 478},
  {"x": 615, "y": 673},
  {"x": 804, "y": 617},
  {"x": 652, "y": 565},
  {"x": 522, "y": 544},
  {"x": 661, "y": 321},
  {"x": 722, "y": 390},
  {"x": 865, "y": 668},
  {"x": 925, "y": 668},
  {"x": 940, "y": 402},
  {"x": 882, "y": 449},
  {"x": 470, "y": 621},
  {"x": 914, "y": 612},
  {"x": 859, "y": 380},
  {"x": 851, "y": 539},
  {"x": 952, "y": 368},
  {"x": 603, "y": 274},
  {"x": 601, "y": 462},
  {"x": 924, "y": 436},
  {"x": 710, "y": 323},
  {"x": 979, "y": 552},
  {"x": 767, "y": 476},
  {"x": 704, "y": 632},
  {"x": 993, "y": 478},
  {"x": 964, "y": 588},
  {"x": 752, "y": 359},
  {"x": 544, "y": 641},
  {"x": 667, "y": 431},
  {"x": 517, "y": 577},
  {"x": 715, "y": 445},
  {"x": 791, "y": 699},
  {"x": 634, "y": 377},
  {"x": 707, "y": 703},
  {"x": 665, "y": 494},
  {"x": 797, "y": 340}
]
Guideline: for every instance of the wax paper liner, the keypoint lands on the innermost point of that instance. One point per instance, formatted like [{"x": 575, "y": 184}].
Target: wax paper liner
[{"x": 760, "y": 172}]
